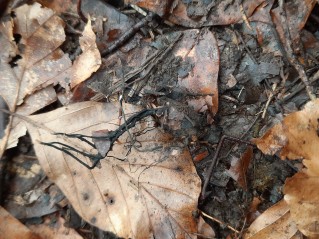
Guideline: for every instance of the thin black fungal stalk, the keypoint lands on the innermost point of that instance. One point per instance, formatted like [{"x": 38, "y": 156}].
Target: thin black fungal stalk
[
  {"x": 214, "y": 160},
  {"x": 112, "y": 137}
]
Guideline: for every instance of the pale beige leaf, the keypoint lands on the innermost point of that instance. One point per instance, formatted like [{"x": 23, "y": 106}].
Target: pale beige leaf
[
  {"x": 151, "y": 193},
  {"x": 274, "y": 223},
  {"x": 301, "y": 193},
  {"x": 37, "y": 101},
  {"x": 16, "y": 132},
  {"x": 25, "y": 86},
  {"x": 42, "y": 32},
  {"x": 89, "y": 61}
]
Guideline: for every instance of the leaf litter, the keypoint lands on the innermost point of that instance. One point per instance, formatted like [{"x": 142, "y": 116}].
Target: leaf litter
[
  {"x": 26, "y": 87},
  {"x": 176, "y": 70},
  {"x": 127, "y": 194}
]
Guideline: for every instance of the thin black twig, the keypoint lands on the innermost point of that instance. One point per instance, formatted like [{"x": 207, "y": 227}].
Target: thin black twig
[
  {"x": 214, "y": 161},
  {"x": 128, "y": 34}
]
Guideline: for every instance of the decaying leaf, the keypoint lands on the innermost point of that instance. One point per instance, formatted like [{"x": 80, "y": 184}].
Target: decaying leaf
[
  {"x": 297, "y": 137},
  {"x": 301, "y": 193},
  {"x": 200, "y": 13},
  {"x": 239, "y": 167},
  {"x": 30, "y": 65},
  {"x": 90, "y": 59},
  {"x": 135, "y": 194},
  {"x": 187, "y": 78},
  {"x": 274, "y": 223}
]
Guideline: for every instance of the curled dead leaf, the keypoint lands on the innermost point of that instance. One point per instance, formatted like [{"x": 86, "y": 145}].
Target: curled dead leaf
[{"x": 275, "y": 222}]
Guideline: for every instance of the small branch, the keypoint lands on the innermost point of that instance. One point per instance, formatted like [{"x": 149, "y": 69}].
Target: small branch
[
  {"x": 214, "y": 161},
  {"x": 128, "y": 34},
  {"x": 219, "y": 221},
  {"x": 291, "y": 57}
]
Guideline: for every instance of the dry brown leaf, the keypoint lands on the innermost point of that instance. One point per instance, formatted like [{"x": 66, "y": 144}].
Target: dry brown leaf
[
  {"x": 60, "y": 6},
  {"x": 301, "y": 193},
  {"x": 90, "y": 59},
  {"x": 274, "y": 223},
  {"x": 296, "y": 137},
  {"x": 11, "y": 228},
  {"x": 202, "y": 49},
  {"x": 24, "y": 87},
  {"x": 297, "y": 12},
  {"x": 239, "y": 167},
  {"x": 151, "y": 193}
]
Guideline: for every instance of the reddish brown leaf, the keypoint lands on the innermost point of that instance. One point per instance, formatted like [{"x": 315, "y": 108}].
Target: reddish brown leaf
[{"x": 240, "y": 166}]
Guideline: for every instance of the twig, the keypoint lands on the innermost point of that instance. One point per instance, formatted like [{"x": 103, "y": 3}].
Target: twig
[
  {"x": 220, "y": 222},
  {"x": 271, "y": 95},
  {"x": 80, "y": 13},
  {"x": 242, "y": 136},
  {"x": 313, "y": 79},
  {"x": 246, "y": 48},
  {"x": 128, "y": 34},
  {"x": 291, "y": 57},
  {"x": 214, "y": 161}
]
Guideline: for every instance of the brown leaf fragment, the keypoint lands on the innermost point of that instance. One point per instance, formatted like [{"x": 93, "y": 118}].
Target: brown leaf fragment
[
  {"x": 204, "y": 13},
  {"x": 11, "y": 228},
  {"x": 37, "y": 101},
  {"x": 90, "y": 59},
  {"x": 297, "y": 12},
  {"x": 136, "y": 194},
  {"x": 25, "y": 83},
  {"x": 239, "y": 167},
  {"x": 301, "y": 194},
  {"x": 274, "y": 223},
  {"x": 296, "y": 137},
  {"x": 253, "y": 210},
  {"x": 41, "y": 34}
]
